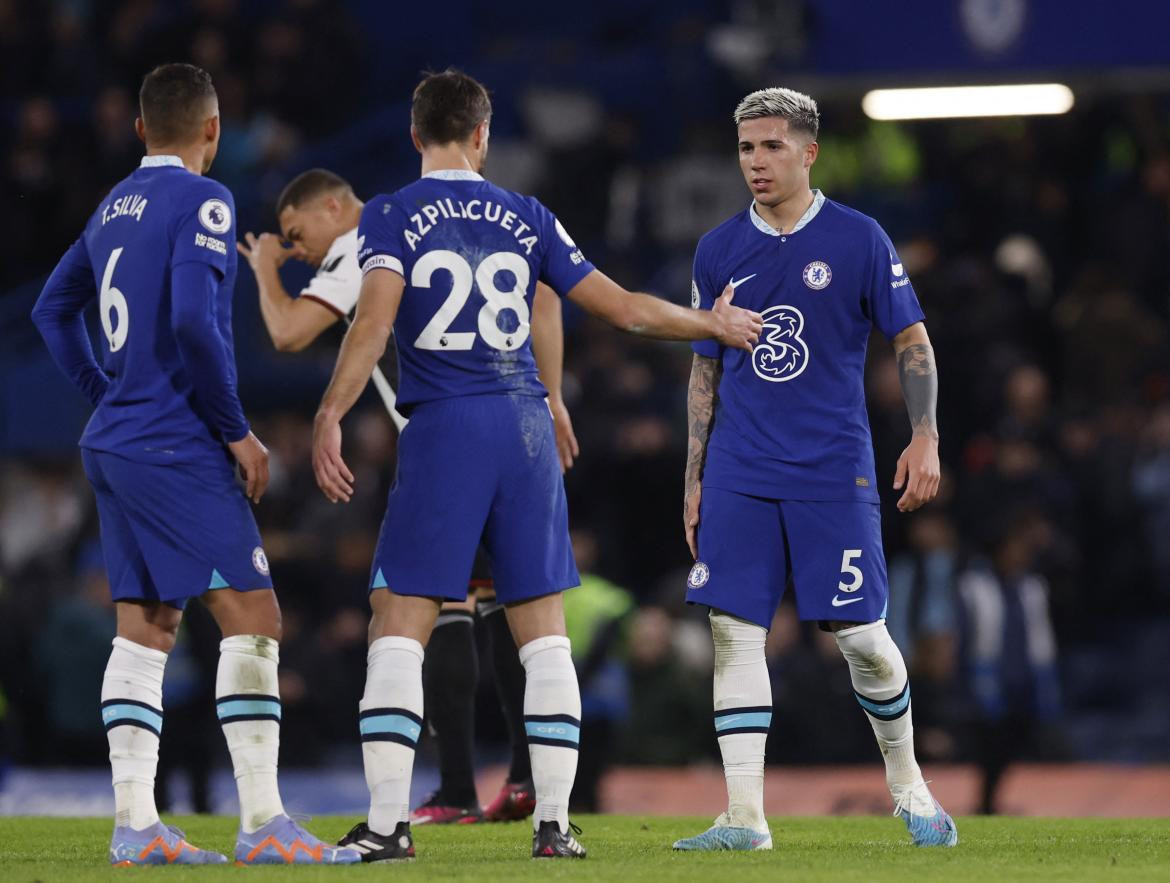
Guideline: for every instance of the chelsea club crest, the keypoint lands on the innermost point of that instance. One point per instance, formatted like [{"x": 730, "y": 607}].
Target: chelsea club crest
[
  {"x": 817, "y": 275},
  {"x": 699, "y": 575}
]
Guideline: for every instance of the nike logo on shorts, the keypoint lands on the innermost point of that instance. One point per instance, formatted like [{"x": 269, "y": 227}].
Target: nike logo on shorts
[{"x": 837, "y": 602}]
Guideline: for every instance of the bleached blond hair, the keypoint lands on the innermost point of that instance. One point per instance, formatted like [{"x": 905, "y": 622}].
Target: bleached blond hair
[{"x": 799, "y": 109}]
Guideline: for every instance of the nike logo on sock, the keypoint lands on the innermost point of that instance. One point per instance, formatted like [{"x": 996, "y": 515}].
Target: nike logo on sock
[{"x": 838, "y": 602}]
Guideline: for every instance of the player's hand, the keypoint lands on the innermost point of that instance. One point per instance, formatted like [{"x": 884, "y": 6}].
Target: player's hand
[
  {"x": 567, "y": 447},
  {"x": 738, "y": 328},
  {"x": 918, "y": 471},
  {"x": 333, "y": 476},
  {"x": 252, "y": 457},
  {"x": 266, "y": 250},
  {"x": 691, "y": 499}
]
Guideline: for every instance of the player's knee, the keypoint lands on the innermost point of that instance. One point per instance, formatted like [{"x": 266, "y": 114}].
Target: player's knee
[
  {"x": 871, "y": 652},
  {"x": 734, "y": 637},
  {"x": 246, "y": 613},
  {"x": 156, "y": 636}
]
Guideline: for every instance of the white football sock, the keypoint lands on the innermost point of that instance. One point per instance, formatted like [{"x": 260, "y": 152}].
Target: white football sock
[
  {"x": 743, "y": 714},
  {"x": 247, "y": 700},
  {"x": 882, "y": 689},
  {"x": 390, "y": 721},
  {"x": 132, "y": 715},
  {"x": 552, "y": 719}
]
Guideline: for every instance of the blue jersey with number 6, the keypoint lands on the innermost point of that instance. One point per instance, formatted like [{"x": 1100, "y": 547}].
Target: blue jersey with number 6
[
  {"x": 158, "y": 218},
  {"x": 471, "y": 254}
]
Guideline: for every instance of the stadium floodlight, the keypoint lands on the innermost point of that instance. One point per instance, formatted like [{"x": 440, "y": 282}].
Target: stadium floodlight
[{"x": 967, "y": 101}]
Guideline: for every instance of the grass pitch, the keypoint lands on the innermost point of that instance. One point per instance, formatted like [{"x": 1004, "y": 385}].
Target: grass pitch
[{"x": 630, "y": 849}]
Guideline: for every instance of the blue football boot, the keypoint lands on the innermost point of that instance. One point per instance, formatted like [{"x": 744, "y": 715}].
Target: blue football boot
[{"x": 158, "y": 844}]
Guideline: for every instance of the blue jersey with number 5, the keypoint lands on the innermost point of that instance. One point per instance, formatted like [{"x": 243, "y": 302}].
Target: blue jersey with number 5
[
  {"x": 159, "y": 217},
  {"x": 471, "y": 254}
]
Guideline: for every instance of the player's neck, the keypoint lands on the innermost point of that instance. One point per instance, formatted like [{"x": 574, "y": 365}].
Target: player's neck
[
  {"x": 783, "y": 217},
  {"x": 191, "y": 155},
  {"x": 445, "y": 158}
]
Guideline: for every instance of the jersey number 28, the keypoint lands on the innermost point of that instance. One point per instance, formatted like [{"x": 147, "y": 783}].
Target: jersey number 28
[{"x": 435, "y": 335}]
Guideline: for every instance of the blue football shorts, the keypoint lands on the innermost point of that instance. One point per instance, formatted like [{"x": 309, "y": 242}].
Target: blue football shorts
[
  {"x": 172, "y": 532},
  {"x": 471, "y": 468},
  {"x": 749, "y": 548}
]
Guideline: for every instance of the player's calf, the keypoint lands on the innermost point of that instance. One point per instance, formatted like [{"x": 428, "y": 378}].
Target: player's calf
[{"x": 882, "y": 688}]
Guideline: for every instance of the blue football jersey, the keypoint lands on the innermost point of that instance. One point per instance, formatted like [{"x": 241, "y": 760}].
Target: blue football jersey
[
  {"x": 157, "y": 218},
  {"x": 790, "y": 419},
  {"x": 471, "y": 254}
]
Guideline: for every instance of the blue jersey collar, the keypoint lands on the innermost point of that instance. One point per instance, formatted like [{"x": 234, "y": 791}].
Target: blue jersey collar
[
  {"x": 764, "y": 227},
  {"x": 454, "y": 175},
  {"x": 160, "y": 159}
]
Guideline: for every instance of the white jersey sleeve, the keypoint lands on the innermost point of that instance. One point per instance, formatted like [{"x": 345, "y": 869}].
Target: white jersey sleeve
[{"x": 338, "y": 281}]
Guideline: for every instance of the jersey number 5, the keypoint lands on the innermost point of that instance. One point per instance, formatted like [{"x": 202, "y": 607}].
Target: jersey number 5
[
  {"x": 848, "y": 567},
  {"x": 435, "y": 335},
  {"x": 112, "y": 306}
]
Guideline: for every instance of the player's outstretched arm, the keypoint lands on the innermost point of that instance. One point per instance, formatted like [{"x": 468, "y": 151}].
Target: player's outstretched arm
[
  {"x": 58, "y": 317},
  {"x": 652, "y": 316},
  {"x": 364, "y": 344},
  {"x": 701, "y": 392},
  {"x": 548, "y": 345},
  {"x": 292, "y": 322},
  {"x": 918, "y": 467}
]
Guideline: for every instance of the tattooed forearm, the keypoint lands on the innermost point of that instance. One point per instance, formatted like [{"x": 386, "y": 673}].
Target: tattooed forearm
[
  {"x": 705, "y": 374},
  {"x": 919, "y": 378}
]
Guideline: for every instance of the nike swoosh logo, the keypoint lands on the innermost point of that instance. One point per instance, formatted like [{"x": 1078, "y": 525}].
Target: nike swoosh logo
[
  {"x": 735, "y": 283},
  {"x": 837, "y": 602}
]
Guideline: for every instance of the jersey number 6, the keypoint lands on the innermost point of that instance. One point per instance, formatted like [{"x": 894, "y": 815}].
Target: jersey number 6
[
  {"x": 435, "y": 335},
  {"x": 112, "y": 307}
]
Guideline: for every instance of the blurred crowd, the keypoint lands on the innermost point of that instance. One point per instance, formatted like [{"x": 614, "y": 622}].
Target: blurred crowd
[{"x": 1032, "y": 600}]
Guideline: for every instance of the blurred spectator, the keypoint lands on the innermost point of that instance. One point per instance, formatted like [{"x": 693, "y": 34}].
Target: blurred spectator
[
  {"x": 70, "y": 657},
  {"x": 670, "y": 703},
  {"x": 922, "y": 621},
  {"x": 1151, "y": 486},
  {"x": 1009, "y": 662},
  {"x": 596, "y": 617}
]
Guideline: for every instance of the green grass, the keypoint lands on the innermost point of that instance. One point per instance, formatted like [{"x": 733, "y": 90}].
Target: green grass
[{"x": 627, "y": 849}]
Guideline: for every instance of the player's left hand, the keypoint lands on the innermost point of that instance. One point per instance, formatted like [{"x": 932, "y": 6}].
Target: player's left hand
[
  {"x": 333, "y": 476},
  {"x": 919, "y": 472},
  {"x": 266, "y": 250},
  {"x": 567, "y": 447}
]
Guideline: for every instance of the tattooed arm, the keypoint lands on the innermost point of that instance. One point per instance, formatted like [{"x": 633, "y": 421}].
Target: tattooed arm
[
  {"x": 705, "y": 374},
  {"x": 918, "y": 467}
]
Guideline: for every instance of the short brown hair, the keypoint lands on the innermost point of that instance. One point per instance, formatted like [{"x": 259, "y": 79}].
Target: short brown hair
[
  {"x": 309, "y": 185},
  {"x": 173, "y": 100},
  {"x": 448, "y": 106}
]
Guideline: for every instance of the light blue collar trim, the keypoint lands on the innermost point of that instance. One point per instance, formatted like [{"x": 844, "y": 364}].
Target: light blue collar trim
[
  {"x": 454, "y": 175},
  {"x": 764, "y": 227},
  {"x": 161, "y": 159}
]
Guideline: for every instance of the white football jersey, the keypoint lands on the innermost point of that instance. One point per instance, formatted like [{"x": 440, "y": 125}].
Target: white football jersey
[{"x": 338, "y": 280}]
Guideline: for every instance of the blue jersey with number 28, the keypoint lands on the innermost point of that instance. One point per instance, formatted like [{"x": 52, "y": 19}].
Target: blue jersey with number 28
[{"x": 471, "y": 254}]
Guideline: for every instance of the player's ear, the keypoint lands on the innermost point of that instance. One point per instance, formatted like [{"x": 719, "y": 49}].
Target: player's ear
[
  {"x": 415, "y": 140},
  {"x": 211, "y": 129},
  {"x": 140, "y": 129},
  {"x": 482, "y": 133},
  {"x": 811, "y": 151}
]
